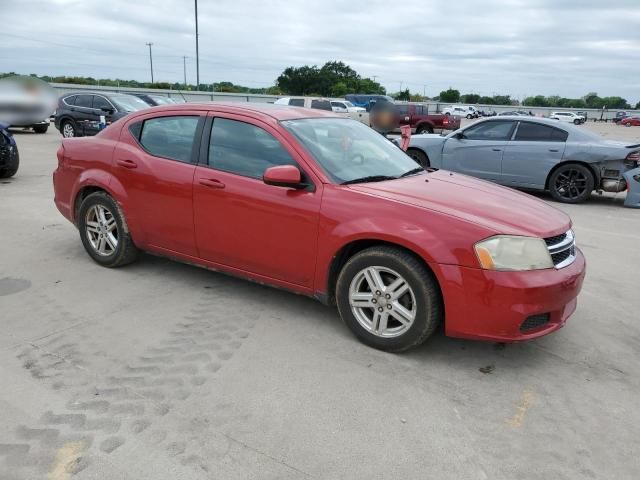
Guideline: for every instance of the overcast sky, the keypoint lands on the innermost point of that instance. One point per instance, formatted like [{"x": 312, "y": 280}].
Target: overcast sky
[{"x": 517, "y": 47}]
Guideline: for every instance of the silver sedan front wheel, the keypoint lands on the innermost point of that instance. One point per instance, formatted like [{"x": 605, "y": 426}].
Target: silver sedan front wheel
[
  {"x": 382, "y": 301},
  {"x": 101, "y": 229}
]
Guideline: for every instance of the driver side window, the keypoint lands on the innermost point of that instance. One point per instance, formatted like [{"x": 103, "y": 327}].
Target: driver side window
[
  {"x": 490, "y": 131},
  {"x": 244, "y": 149}
]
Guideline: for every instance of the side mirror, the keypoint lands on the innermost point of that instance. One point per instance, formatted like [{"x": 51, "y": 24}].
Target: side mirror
[
  {"x": 283, "y": 176},
  {"x": 108, "y": 110},
  {"x": 459, "y": 135}
]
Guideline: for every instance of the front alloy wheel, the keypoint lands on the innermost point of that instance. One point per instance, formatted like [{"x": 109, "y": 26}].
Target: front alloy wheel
[
  {"x": 382, "y": 301},
  {"x": 388, "y": 298}
]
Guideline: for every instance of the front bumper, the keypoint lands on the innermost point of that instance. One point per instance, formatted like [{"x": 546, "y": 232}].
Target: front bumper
[{"x": 489, "y": 305}]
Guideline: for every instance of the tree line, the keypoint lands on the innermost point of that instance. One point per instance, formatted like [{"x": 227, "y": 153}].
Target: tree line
[{"x": 337, "y": 79}]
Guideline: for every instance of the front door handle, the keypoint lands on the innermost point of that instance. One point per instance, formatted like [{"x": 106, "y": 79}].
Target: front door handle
[
  {"x": 127, "y": 163},
  {"x": 211, "y": 182},
  {"x": 554, "y": 150},
  {"x": 496, "y": 149}
]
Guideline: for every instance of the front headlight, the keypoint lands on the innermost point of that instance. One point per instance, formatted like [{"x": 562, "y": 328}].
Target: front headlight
[{"x": 506, "y": 252}]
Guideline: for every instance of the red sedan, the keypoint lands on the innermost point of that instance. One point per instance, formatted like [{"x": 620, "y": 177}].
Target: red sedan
[
  {"x": 631, "y": 121},
  {"x": 323, "y": 206}
]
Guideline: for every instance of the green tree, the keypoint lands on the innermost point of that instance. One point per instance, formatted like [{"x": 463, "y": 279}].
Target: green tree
[
  {"x": 403, "y": 95},
  {"x": 484, "y": 100},
  {"x": 450, "y": 96},
  {"x": 537, "y": 101},
  {"x": 470, "y": 98}
]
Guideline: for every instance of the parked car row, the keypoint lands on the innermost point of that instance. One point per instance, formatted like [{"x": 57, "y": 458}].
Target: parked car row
[
  {"x": 80, "y": 114},
  {"x": 342, "y": 215}
]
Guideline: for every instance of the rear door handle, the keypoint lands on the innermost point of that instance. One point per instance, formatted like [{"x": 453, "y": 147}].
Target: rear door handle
[
  {"x": 496, "y": 149},
  {"x": 211, "y": 182},
  {"x": 554, "y": 150},
  {"x": 127, "y": 163}
]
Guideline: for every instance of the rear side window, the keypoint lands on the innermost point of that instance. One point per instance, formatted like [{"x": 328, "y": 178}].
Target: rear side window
[
  {"x": 321, "y": 105},
  {"x": 70, "y": 100},
  {"x": 296, "y": 102},
  {"x": 244, "y": 149},
  {"x": 534, "y": 132},
  {"x": 84, "y": 101},
  {"x": 169, "y": 137}
]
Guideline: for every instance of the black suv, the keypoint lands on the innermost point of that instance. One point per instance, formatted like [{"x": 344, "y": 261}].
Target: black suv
[{"x": 78, "y": 114}]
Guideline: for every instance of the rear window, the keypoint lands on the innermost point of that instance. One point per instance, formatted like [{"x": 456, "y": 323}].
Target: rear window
[
  {"x": 296, "y": 102},
  {"x": 535, "y": 132},
  {"x": 169, "y": 137}
]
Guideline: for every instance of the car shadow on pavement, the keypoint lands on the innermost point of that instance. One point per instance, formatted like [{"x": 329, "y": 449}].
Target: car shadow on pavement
[{"x": 323, "y": 321}]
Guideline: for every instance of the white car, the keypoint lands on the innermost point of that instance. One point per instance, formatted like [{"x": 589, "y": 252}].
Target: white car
[
  {"x": 357, "y": 113},
  {"x": 466, "y": 111},
  {"x": 568, "y": 117},
  {"x": 345, "y": 106}
]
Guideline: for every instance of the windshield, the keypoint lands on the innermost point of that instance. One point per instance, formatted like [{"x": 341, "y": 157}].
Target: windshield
[
  {"x": 348, "y": 103},
  {"x": 348, "y": 151},
  {"x": 129, "y": 103},
  {"x": 160, "y": 100}
]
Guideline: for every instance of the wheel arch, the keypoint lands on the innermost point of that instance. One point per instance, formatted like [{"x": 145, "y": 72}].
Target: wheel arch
[
  {"x": 350, "y": 249},
  {"x": 594, "y": 172}
]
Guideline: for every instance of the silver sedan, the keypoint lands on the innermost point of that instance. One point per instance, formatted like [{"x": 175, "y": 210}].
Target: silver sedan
[{"x": 535, "y": 153}]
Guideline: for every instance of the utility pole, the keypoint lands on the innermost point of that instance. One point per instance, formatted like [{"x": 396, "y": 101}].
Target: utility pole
[
  {"x": 150, "y": 60},
  {"x": 424, "y": 91},
  {"x": 184, "y": 67},
  {"x": 401, "y": 86},
  {"x": 197, "y": 52},
  {"x": 374, "y": 77}
]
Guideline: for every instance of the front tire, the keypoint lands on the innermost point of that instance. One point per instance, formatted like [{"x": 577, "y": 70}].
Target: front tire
[
  {"x": 41, "y": 128},
  {"x": 389, "y": 299},
  {"x": 68, "y": 129},
  {"x": 104, "y": 232},
  {"x": 419, "y": 157},
  {"x": 571, "y": 183},
  {"x": 576, "y": 122}
]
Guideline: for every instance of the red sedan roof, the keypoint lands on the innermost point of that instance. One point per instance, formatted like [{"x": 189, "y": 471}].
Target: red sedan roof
[{"x": 277, "y": 112}]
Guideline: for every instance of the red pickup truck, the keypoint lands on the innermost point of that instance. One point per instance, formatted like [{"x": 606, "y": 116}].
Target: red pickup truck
[{"x": 418, "y": 118}]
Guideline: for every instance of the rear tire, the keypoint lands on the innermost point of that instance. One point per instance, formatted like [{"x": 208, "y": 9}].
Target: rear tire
[
  {"x": 576, "y": 122},
  {"x": 41, "y": 128},
  {"x": 571, "y": 183},
  {"x": 104, "y": 232},
  {"x": 469, "y": 116},
  {"x": 424, "y": 129},
  {"x": 419, "y": 156},
  {"x": 402, "y": 308}
]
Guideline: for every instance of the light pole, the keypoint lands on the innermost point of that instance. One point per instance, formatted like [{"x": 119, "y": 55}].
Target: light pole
[
  {"x": 197, "y": 52},
  {"x": 184, "y": 67},
  {"x": 150, "y": 60}
]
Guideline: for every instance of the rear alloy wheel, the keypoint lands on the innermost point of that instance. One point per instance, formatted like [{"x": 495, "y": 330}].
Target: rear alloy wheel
[
  {"x": 576, "y": 122},
  {"x": 571, "y": 183},
  {"x": 628, "y": 124},
  {"x": 68, "y": 129},
  {"x": 423, "y": 129},
  {"x": 469, "y": 116},
  {"x": 419, "y": 157},
  {"x": 388, "y": 298},
  {"x": 104, "y": 232}
]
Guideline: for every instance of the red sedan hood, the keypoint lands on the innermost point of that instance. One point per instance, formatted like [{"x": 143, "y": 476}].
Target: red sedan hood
[{"x": 501, "y": 209}]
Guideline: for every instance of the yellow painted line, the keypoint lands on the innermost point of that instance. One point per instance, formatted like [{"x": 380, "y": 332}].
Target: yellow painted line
[
  {"x": 66, "y": 457},
  {"x": 525, "y": 402}
]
